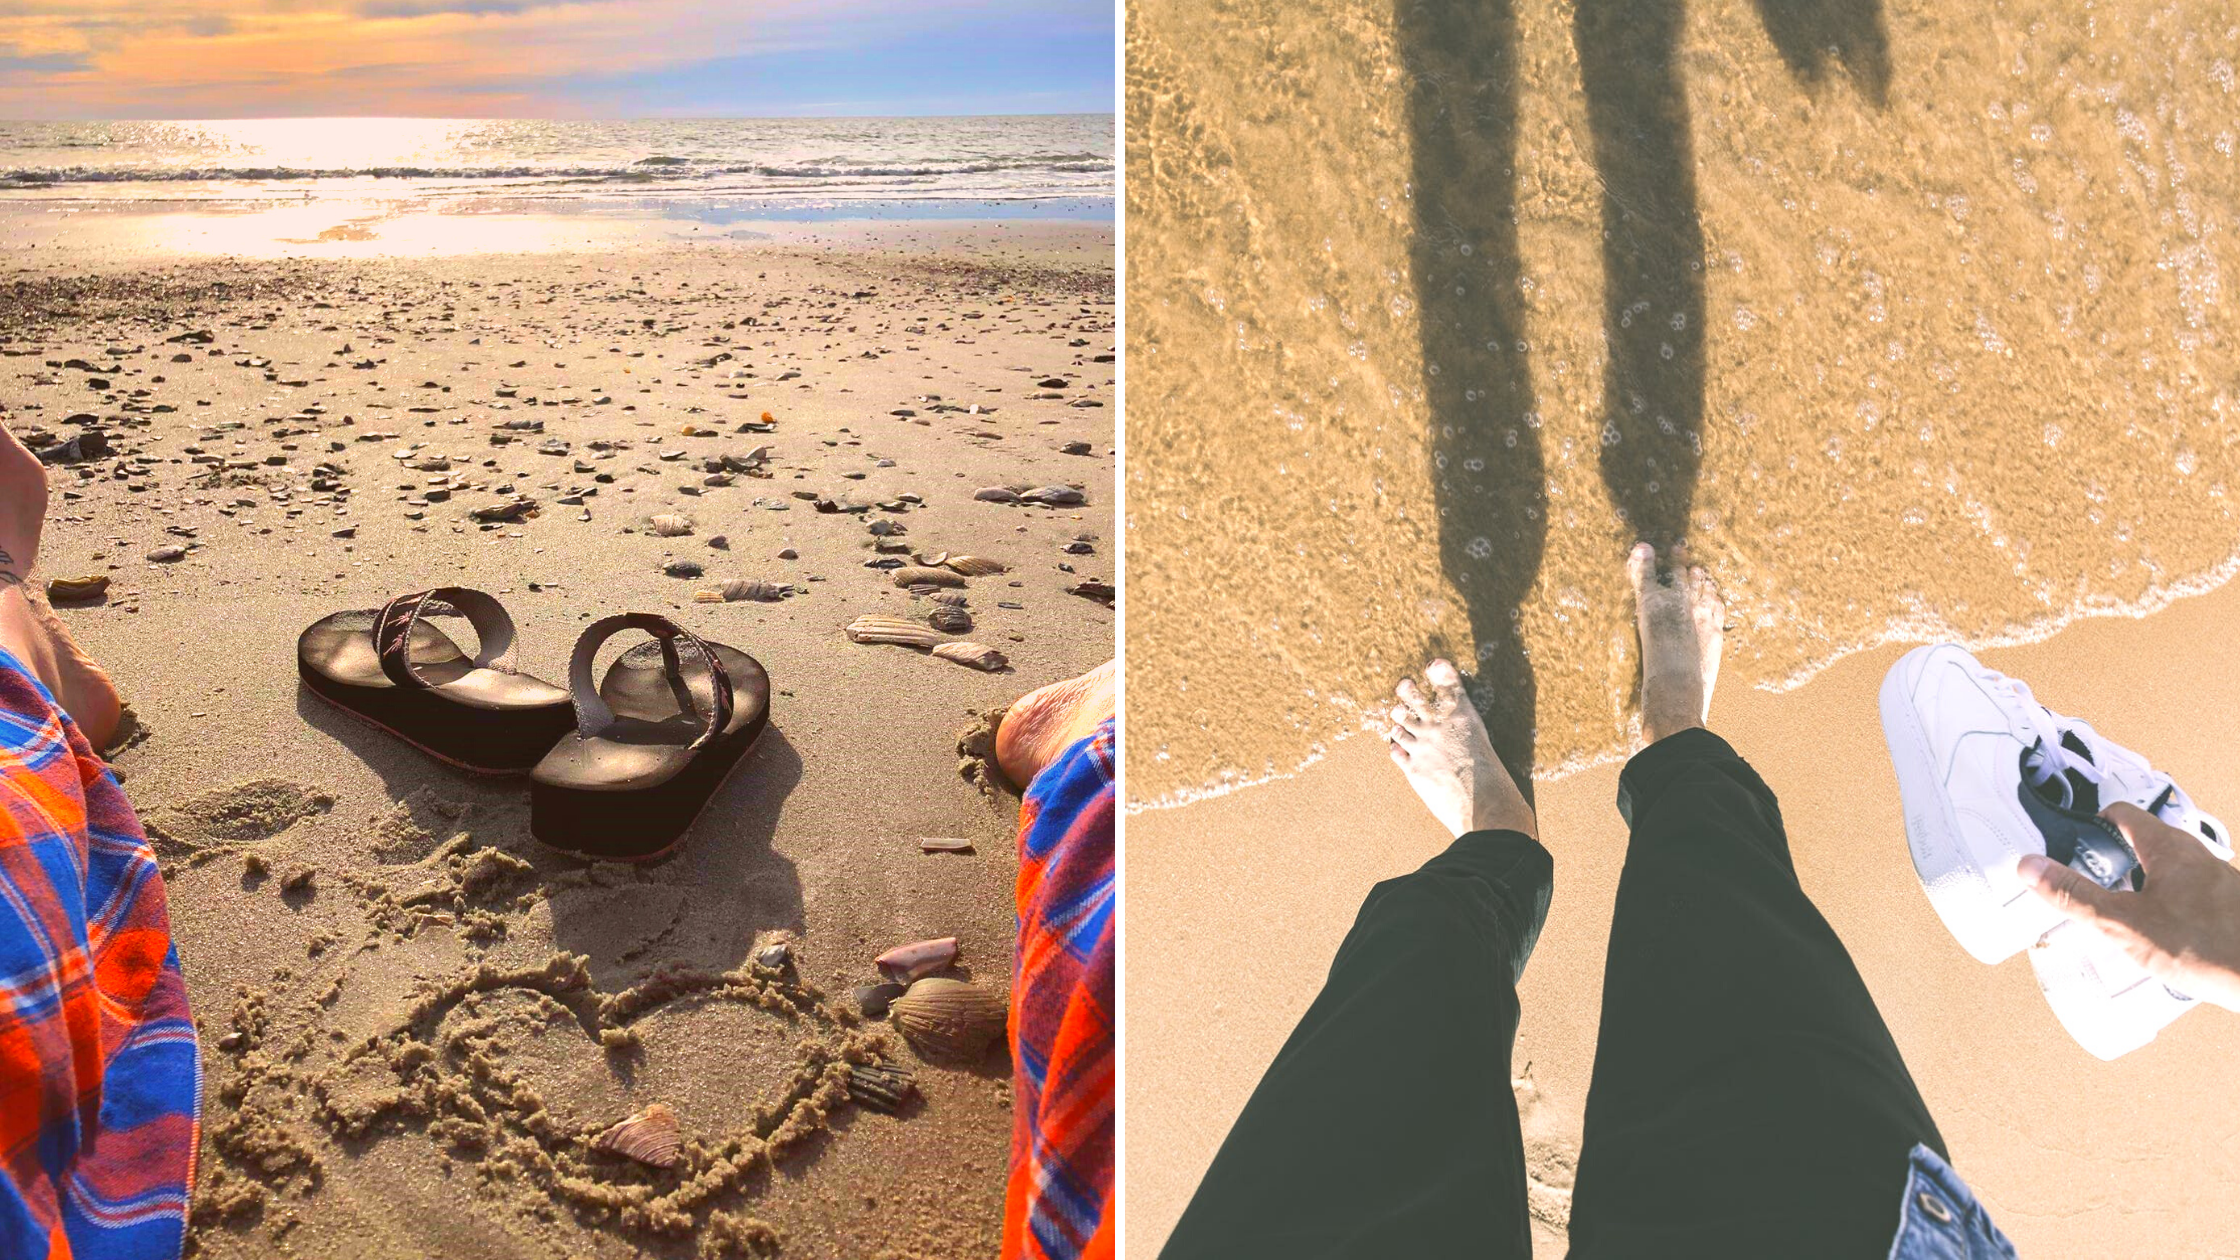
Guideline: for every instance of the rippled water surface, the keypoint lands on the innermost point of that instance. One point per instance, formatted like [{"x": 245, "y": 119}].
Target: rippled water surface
[
  {"x": 1912, "y": 320},
  {"x": 998, "y": 158}
]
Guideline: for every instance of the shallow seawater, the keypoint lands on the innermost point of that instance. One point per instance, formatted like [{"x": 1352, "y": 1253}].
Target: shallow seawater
[{"x": 1912, "y": 320}]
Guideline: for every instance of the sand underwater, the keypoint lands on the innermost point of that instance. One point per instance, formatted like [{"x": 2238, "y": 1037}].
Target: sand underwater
[
  {"x": 414, "y": 1016},
  {"x": 1910, "y": 319}
]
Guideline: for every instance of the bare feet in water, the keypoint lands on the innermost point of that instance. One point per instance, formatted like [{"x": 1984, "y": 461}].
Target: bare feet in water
[
  {"x": 29, "y": 630},
  {"x": 1440, "y": 743},
  {"x": 1040, "y": 725},
  {"x": 1683, "y": 627}
]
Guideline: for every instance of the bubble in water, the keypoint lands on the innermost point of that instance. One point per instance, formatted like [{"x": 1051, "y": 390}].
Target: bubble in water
[
  {"x": 2041, "y": 133},
  {"x": 2185, "y": 463},
  {"x": 1609, "y": 433},
  {"x": 2053, "y": 435},
  {"x": 1480, "y": 548},
  {"x": 1745, "y": 319}
]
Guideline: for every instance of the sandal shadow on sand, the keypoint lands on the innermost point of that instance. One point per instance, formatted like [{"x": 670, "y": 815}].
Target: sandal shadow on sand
[
  {"x": 396, "y": 670},
  {"x": 650, "y": 745}
]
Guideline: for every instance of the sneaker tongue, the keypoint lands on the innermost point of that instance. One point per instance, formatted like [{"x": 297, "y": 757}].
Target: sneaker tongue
[{"x": 2084, "y": 794}]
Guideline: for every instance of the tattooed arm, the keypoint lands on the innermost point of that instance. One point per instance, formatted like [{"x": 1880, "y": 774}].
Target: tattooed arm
[{"x": 8, "y": 574}]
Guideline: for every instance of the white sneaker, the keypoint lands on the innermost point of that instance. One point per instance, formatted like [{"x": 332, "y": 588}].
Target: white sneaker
[{"x": 1987, "y": 774}]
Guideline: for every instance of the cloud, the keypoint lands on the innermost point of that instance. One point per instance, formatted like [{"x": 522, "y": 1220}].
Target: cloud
[{"x": 261, "y": 58}]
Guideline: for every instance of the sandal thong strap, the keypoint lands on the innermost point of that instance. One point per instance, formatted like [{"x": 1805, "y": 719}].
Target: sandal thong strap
[
  {"x": 392, "y": 631},
  {"x": 592, "y": 713}
]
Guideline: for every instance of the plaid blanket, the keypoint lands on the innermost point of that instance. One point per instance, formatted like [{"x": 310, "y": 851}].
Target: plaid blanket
[
  {"x": 1059, "y": 1202},
  {"x": 99, "y": 1071}
]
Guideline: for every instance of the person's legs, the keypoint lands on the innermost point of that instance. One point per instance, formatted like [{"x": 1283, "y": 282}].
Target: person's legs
[
  {"x": 29, "y": 630},
  {"x": 1747, "y": 1098},
  {"x": 1386, "y": 1125}
]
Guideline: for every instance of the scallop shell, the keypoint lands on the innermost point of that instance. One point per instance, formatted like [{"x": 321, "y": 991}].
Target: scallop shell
[
  {"x": 949, "y": 1019},
  {"x": 950, "y": 618},
  {"x": 922, "y": 958},
  {"x": 977, "y": 655},
  {"x": 875, "y": 629},
  {"x": 911, "y": 575},
  {"x": 66, "y": 590},
  {"x": 977, "y": 566},
  {"x": 652, "y": 1136},
  {"x": 955, "y": 599},
  {"x": 737, "y": 589},
  {"x": 671, "y": 525}
]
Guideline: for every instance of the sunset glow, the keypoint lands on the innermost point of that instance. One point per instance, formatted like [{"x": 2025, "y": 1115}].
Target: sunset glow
[{"x": 528, "y": 58}]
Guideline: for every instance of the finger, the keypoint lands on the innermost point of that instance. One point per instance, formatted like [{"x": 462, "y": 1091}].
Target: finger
[
  {"x": 2156, "y": 842},
  {"x": 1412, "y": 696},
  {"x": 2072, "y": 894}
]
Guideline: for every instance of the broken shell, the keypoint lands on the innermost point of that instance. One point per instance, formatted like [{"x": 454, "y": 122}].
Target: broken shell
[
  {"x": 950, "y": 618},
  {"x": 172, "y": 554},
  {"x": 652, "y": 1136},
  {"x": 916, "y": 575},
  {"x": 65, "y": 590},
  {"x": 874, "y": 629},
  {"x": 977, "y": 655},
  {"x": 875, "y": 999},
  {"x": 773, "y": 956},
  {"x": 955, "y": 599},
  {"x": 996, "y": 494},
  {"x": 943, "y": 844},
  {"x": 737, "y": 589},
  {"x": 880, "y": 1086},
  {"x": 934, "y": 561},
  {"x": 950, "y": 1019},
  {"x": 976, "y": 566},
  {"x": 905, "y": 963},
  {"x": 671, "y": 525}
]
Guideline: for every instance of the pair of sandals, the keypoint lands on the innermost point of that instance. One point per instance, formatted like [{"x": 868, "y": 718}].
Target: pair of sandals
[{"x": 617, "y": 772}]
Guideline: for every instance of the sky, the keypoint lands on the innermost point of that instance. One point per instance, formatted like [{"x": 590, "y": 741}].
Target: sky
[{"x": 201, "y": 59}]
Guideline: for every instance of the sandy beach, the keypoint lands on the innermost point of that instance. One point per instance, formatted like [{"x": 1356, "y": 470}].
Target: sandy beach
[
  {"x": 409, "y": 1009},
  {"x": 1236, "y": 905}
]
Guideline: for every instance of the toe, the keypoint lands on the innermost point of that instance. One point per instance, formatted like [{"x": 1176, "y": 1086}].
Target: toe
[
  {"x": 1412, "y": 701},
  {"x": 1641, "y": 564},
  {"x": 1711, "y": 609},
  {"x": 1446, "y": 682}
]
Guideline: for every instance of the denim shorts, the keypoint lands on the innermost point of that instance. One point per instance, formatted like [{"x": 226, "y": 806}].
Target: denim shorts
[{"x": 1940, "y": 1218}]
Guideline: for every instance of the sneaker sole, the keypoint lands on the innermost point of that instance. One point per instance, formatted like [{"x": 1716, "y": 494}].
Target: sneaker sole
[{"x": 1979, "y": 914}]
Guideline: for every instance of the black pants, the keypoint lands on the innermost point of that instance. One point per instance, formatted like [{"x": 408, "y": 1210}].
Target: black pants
[{"x": 1747, "y": 1099}]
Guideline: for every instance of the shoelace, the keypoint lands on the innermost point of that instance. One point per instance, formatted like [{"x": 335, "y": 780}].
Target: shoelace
[{"x": 2052, "y": 762}]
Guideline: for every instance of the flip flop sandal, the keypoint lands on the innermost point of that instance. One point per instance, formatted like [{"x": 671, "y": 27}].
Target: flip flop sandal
[
  {"x": 650, "y": 746},
  {"x": 389, "y": 667}
]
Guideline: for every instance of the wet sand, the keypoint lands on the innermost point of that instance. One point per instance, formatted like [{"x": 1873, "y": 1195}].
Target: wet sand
[
  {"x": 411, "y": 1012},
  {"x": 1236, "y": 905},
  {"x": 1912, "y": 320}
]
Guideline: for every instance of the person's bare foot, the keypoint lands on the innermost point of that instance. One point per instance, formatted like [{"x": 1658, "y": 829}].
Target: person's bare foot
[
  {"x": 1440, "y": 743},
  {"x": 29, "y": 630},
  {"x": 1683, "y": 628},
  {"x": 1040, "y": 725}
]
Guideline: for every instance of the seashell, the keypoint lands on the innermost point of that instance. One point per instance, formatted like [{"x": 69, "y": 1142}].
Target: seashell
[
  {"x": 1093, "y": 589},
  {"x": 905, "y": 963},
  {"x": 911, "y": 575},
  {"x": 996, "y": 494},
  {"x": 174, "y": 554},
  {"x": 954, "y": 599},
  {"x": 880, "y": 1086},
  {"x": 934, "y": 561},
  {"x": 944, "y": 844},
  {"x": 977, "y": 655},
  {"x": 683, "y": 568},
  {"x": 876, "y": 629},
  {"x": 884, "y": 528},
  {"x": 671, "y": 525},
  {"x": 773, "y": 956},
  {"x": 875, "y": 999},
  {"x": 976, "y": 566},
  {"x": 949, "y": 1019},
  {"x": 66, "y": 590},
  {"x": 651, "y": 1137},
  {"x": 952, "y": 619},
  {"x": 737, "y": 589},
  {"x": 1055, "y": 496}
]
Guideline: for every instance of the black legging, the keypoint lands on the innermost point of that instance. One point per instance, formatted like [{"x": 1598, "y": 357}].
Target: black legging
[{"x": 1747, "y": 1099}]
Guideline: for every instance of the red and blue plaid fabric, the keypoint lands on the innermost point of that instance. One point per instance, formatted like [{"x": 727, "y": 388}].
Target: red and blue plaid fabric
[
  {"x": 1059, "y": 1202},
  {"x": 99, "y": 1072}
]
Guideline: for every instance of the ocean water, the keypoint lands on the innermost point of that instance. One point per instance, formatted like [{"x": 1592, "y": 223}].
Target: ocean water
[
  {"x": 1016, "y": 159},
  {"x": 1911, "y": 320}
]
